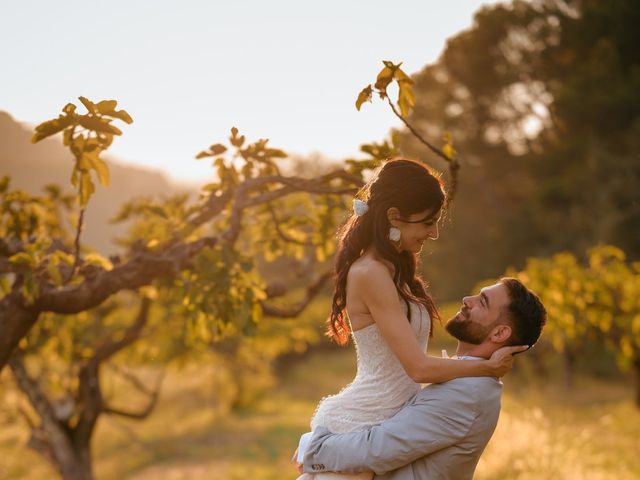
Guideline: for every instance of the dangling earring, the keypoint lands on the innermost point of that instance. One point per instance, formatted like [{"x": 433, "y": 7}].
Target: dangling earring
[{"x": 394, "y": 234}]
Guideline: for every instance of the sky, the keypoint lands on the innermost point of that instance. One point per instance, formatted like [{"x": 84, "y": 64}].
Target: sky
[{"x": 188, "y": 71}]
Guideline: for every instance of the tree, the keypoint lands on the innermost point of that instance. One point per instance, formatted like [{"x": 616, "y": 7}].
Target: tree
[
  {"x": 214, "y": 277},
  {"x": 208, "y": 283},
  {"x": 541, "y": 99},
  {"x": 596, "y": 302}
]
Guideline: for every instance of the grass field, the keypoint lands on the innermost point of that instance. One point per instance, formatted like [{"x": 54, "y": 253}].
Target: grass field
[{"x": 544, "y": 432}]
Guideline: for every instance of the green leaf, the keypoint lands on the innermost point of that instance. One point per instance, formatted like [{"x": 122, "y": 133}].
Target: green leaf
[{"x": 364, "y": 96}]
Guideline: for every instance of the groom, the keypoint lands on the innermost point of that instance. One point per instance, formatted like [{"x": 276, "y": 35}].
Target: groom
[{"x": 442, "y": 431}]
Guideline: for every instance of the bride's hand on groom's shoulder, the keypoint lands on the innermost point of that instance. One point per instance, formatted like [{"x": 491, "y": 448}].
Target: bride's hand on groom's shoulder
[{"x": 502, "y": 359}]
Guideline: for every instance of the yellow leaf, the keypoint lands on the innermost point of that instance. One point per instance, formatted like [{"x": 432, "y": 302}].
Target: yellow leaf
[
  {"x": 98, "y": 125},
  {"x": 400, "y": 76},
  {"x": 54, "y": 274},
  {"x": 122, "y": 115},
  {"x": 406, "y": 99},
  {"x": 364, "y": 96},
  {"x": 86, "y": 189},
  {"x": 99, "y": 165},
  {"x": 150, "y": 292},
  {"x": 217, "y": 149},
  {"x": 22, "y": 258},
  {"x": 384, "y": 78},
  {"x": 99, "y": 260},
  {"x": 106, "y": 106},
  {"x": 74, "y": 177},
  {"x": 449, "y": 151},
  {"x": 67, "y": 137},
  {"x": 89, "y": 105},
  {"x": 51, "y": 127},
  {"x": 69, "y": 108}
]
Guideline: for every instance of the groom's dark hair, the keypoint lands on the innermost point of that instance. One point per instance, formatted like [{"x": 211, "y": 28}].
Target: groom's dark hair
[{"x": 526, "y": 313}]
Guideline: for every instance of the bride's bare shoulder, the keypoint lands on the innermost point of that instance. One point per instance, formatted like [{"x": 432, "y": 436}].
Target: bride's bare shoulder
[{"x": 368, "y": 268}]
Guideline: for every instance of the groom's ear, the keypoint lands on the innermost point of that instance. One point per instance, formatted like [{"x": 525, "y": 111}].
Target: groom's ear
[{"x": 501, "y": 333}]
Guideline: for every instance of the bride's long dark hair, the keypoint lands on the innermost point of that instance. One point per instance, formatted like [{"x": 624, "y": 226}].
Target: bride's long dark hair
[{"x": 411, "y": 188}]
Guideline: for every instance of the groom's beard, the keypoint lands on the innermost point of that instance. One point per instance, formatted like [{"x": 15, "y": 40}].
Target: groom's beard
[{"x": 466, "y": 330}]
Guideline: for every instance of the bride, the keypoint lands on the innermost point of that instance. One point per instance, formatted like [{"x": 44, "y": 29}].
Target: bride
[{"x": 383, "y": 305}]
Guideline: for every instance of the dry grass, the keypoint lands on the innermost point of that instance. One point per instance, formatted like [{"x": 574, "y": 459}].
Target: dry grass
[{"x": 544, "y": 433}]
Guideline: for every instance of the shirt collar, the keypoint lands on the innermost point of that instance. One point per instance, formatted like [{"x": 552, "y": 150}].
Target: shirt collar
[{"x": 469, "y": 357}]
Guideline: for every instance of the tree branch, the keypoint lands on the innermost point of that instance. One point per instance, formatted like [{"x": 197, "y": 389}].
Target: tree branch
[
  {"x": 292, "y": 312},
  {"x": 56, "y": 442},
  {"x": 291, "y": 185},
  {"x": 281, "y": 234},
  {"x": 144, "y": 413},
  {"x": 131, "y": 334},
  {"x": 217, "y": 203},
  {"x": 140, "y": 270},
  {"x": 10, "y": 246},
  {"x": 76, "y": 246},
  {"x": 454, "y": 165}
]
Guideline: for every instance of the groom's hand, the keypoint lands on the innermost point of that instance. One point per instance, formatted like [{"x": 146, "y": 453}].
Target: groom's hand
[{"x": 502, "y": 359}]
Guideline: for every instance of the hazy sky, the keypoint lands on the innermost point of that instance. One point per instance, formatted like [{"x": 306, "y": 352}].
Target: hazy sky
[{"x": 188, "y": 71}]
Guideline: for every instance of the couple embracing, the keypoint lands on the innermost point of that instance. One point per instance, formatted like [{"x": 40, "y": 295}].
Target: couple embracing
[{"x": 384, "y": 424}]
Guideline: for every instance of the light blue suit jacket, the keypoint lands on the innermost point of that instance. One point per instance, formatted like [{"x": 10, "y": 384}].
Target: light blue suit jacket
[{"x": 439, "y": 434}]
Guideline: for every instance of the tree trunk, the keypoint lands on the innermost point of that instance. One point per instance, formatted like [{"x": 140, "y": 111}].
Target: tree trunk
[
  {"x": 79, "y": 468},
  {"x": 53, "y": 438},
  {"x": 16, "y": 318}
]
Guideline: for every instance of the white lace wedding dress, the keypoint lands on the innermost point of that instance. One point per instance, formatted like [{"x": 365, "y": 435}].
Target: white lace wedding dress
[{"x": 378, "y": 391}]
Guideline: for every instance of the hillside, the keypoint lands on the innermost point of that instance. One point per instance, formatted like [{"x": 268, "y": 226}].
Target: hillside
[{"x": 33, "y": 166}]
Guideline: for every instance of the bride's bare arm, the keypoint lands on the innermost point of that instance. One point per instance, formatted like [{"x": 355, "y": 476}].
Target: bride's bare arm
[{"x": 375, "y": 288}]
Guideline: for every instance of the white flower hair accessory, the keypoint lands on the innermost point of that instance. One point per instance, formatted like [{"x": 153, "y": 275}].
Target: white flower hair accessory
[{"x": 360, "y": 207}]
